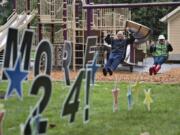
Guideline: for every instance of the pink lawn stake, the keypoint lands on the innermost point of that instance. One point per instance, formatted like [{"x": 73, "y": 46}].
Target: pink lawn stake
[
  {"x": 115, "y": 93},
  {"x": 1, "y": 119}
]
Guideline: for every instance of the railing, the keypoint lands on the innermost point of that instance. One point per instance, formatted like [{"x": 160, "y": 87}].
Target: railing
[
  {"x": 51, "y": 12},
  {"x": 107, "y": 19}
]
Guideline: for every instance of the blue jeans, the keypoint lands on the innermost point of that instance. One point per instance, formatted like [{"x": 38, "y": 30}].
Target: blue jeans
[
  {"x": 159, "y": 60},
  {"x": 114, "y": 60}
]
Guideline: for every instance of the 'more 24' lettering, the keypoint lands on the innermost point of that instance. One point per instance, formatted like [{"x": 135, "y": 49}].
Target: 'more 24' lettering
[{"x": 22, "y": 53}]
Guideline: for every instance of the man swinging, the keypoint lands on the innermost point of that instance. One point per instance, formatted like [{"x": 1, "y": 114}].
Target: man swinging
[{"x": 118, "y": 50}]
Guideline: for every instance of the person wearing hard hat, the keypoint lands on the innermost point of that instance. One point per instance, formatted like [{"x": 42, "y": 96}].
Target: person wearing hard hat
[
  {"x": 160, "y": 53},
  {"x": 117, "y": 53}
]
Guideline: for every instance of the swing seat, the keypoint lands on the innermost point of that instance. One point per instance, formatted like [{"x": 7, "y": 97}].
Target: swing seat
[
  {"x": 139, "y": 56},
  {"x": 128, "y": 56},
  {"x": 140, "y": 32}
]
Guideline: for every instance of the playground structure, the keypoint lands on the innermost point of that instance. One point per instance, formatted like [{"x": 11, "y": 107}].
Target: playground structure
[
  {"x": 60, "y": 20},
  {"x": 67, "y": 20},
  {"x": 73, "y": 20}
]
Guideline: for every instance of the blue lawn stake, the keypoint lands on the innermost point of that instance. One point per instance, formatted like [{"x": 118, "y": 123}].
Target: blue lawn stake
[{"x": 129, "y": 97}]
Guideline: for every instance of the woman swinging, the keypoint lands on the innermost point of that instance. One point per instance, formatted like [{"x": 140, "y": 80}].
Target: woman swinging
[{"x": 160, "y": 54}]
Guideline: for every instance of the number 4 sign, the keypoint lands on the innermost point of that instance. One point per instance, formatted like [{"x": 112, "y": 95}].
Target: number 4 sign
[{"x": 71, "y": 103}]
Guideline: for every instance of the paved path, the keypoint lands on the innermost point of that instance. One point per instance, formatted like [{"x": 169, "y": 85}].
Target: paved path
[{"x": 148, "y": 63}]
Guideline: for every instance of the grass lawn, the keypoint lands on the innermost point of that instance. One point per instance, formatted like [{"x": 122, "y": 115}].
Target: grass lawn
[{"x": 163, "y": 119}]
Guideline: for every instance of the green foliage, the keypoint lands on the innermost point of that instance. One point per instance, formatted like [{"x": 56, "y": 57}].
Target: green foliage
[
  {"x": 5, "y": 12},
  {"x": 163, "y": 119},
  {"x": 150, "y": 17}
]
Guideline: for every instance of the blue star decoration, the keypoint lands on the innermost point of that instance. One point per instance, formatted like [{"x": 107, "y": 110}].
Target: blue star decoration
[
  {"x": 15, "y": 76},
  {"x": 94, "y": 67}
]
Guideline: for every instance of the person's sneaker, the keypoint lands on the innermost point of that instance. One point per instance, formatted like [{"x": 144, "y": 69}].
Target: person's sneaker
[
  {"x": 110, "y": 71},
  {"x": 154, "y": 71},
  {"x": 151, "y": 70},
  {"x": 104, "y": 72}
]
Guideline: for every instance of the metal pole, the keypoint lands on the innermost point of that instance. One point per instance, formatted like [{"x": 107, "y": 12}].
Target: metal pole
[
  {"x": 39, "y": 22},
  {"x": 65, "y": 19},
  {"x": 28, "y": 7},
  {"x": 14, "y": 5},
  {"x": 89, "y": 18},
  {"x": 28, "y": 11},
  {"x": 74, "y": 33},
  {"x": 52, "y": 20},
  {"x": 132, "y": 5},
  {"x": 52, "y": 33}
]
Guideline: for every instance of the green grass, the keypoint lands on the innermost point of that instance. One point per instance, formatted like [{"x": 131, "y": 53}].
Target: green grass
[
  {"x": 163, "y": 119},
  {"x": 32, "y": 54}
]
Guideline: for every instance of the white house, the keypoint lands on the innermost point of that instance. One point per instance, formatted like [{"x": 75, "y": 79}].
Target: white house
[{"x": 173, "y": 30}]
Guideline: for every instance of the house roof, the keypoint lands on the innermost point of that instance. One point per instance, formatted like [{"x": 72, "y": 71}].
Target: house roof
[{"x": 172, "y": 13}]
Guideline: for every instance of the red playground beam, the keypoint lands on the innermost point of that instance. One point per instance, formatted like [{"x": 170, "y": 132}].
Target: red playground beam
[{"x": 131, "y": 5}]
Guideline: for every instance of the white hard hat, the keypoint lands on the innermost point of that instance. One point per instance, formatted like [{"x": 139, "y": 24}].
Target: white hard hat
[{"x": 161, "y": 37}]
